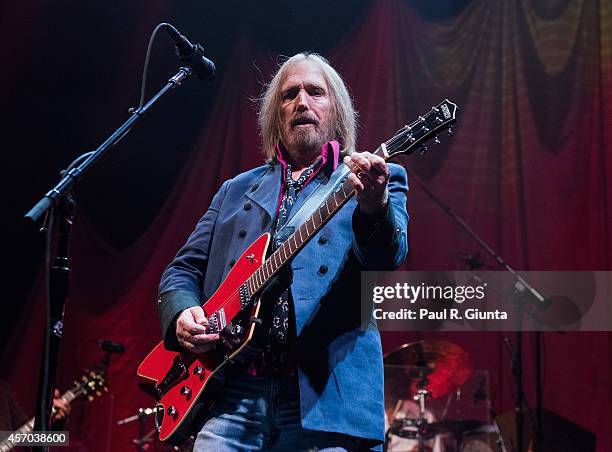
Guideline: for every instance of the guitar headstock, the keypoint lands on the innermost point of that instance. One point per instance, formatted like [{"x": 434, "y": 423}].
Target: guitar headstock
[
  {"x": 91, "y": 384},
  {"x": 412, "y": 137}
]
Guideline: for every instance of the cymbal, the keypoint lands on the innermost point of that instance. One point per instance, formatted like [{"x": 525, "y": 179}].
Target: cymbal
[{"x": 444, "y": 365}]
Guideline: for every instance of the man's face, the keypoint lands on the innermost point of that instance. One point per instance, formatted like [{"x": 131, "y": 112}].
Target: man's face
[{"x": 306, "y": 118}]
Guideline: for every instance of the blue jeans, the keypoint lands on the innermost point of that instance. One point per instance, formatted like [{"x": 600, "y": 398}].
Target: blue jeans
[{"x": 258, "y": 413}]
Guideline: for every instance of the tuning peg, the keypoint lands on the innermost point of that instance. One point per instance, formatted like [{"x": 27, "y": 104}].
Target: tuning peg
[
  {"x": 422, "y": 149},
  {"x": 450, "y": 131},
  {"x": 436, "y": 139}
]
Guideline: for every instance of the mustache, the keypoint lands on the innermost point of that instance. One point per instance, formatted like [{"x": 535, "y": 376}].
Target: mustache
[{"x": 303, "y": 119}]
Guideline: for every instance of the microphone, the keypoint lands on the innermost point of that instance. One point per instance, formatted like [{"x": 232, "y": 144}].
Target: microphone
[{"x": 191, "y": 54}]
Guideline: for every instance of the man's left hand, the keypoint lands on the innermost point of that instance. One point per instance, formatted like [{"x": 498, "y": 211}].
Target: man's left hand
[
  {"x": 369, "y": 177},
  {"x": 61, "y": 408}
]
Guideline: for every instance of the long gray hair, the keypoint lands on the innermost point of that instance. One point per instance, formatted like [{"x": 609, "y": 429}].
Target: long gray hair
[{"x": 344, "y": 115}]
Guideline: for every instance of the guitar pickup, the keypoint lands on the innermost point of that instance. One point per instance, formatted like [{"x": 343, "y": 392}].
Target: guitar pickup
[{"x": 244, "y": 296}]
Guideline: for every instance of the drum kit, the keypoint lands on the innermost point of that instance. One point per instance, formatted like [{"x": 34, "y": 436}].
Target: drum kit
[{"x": 436, "y": 402}]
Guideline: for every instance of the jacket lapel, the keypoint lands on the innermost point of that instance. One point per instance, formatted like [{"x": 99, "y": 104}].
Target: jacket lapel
[{"x": 268, "y": 190}]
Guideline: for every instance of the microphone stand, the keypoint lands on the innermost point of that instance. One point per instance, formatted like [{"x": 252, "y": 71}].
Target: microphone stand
[
  {"x": 522, "y": 292},
  {"x": 58, "y": 205}
]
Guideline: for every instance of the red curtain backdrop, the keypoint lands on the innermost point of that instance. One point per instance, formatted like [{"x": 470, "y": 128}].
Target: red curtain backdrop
[{"x": 529, "y": 168}]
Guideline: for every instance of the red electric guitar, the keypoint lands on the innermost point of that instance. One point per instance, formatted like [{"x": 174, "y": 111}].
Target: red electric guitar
[{"x": 185, "y": 383}]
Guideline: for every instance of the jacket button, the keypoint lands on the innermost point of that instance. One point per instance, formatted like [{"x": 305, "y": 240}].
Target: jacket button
[
  {"x": 242, "y": 233},
  {"x": 254, "y": 187},
  {"x": 232, "y": 262},
  {"x": 247, "y": 206},
  {"x": 323, "y": 269},
  {"x": 322, "y": 240}
]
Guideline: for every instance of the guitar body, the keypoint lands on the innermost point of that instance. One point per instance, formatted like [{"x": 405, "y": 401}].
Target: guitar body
[{"x": 186, "y": 383}]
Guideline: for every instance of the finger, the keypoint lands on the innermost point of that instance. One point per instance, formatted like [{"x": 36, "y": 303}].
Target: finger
[
  {"x": 187, "y": 328},
  {"x": 379, "y": 165},
  {"x": 366, "y": 169},
  {"x": 356, "y": 183},
  {"x": 188, "y": 335},
  {"x": 362, "y": 171},
  {"x": 361, "y": 161},
  {"x": 378, "y": 174},
  {"x": 62, "y": 405},
  {"x": 203, "y": 338},
  {"x": 377, "y": 171},
  {"x": 186, "y": 322},
  {"x": 56, "y": 393},
  {"x": 198, "y": 315}
]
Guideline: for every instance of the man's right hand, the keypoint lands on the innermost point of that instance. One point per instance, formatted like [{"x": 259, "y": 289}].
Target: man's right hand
[{"x": 191, "y": 331}]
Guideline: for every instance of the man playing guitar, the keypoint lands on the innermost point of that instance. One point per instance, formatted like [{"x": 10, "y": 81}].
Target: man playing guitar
[{"x": 316, "y": 380}]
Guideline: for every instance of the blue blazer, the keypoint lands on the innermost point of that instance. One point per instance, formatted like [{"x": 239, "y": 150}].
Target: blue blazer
[{"x": 340, "y": 367}]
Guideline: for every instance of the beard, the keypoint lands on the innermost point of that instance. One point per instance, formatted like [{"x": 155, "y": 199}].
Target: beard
[{"x": 305, "y": 142}]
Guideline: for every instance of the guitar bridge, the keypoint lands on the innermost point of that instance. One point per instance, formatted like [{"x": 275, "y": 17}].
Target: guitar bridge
[{"x": 216, "y": 322}]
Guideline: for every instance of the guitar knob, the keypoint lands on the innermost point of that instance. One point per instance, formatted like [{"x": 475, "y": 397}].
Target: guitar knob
[
  {"x": 423, "y": 150},
  {"x": 436, "y": 139},
  {"x": 185, "y": 392},
  {"x": 450, "y": 131},
  {"x": 172, "y": 411},
  {"x": 237, "y": 329},
  {"x": 198, "y": 370}
]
